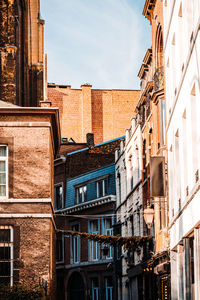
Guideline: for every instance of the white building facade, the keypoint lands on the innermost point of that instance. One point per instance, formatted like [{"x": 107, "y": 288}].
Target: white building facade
[
  {"x": 182, "y": 63},
  {"x": 129, "y": 207}
]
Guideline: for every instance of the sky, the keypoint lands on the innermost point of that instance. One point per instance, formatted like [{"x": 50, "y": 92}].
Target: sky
[{"x": 101, "y": 42}]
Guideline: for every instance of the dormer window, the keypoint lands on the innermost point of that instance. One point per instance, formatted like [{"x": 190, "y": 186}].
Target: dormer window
[
  {"x": 102, "y": 188},
  {"x": 81, "y": 194}
]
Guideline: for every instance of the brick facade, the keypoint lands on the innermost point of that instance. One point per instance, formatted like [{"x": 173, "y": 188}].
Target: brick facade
[
  {"x": 31, "y": 137},
  {"x": 103, "y": 112}
]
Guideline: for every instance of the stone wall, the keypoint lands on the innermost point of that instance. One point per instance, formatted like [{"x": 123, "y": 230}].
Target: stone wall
[{"x": 21, "y": 52}]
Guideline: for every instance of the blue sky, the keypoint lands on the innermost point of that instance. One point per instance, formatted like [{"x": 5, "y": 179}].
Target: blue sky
[{"x": 101, "y": 42}]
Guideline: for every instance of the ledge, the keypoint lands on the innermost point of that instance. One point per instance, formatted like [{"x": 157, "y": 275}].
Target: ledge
[{"x": 88, "y": 204}]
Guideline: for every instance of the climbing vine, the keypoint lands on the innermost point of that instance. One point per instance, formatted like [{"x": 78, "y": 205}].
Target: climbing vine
[{"x": 128, "y": 242}]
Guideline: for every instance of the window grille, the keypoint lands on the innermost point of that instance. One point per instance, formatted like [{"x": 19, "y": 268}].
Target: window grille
[{"x": 6, "y": 255}]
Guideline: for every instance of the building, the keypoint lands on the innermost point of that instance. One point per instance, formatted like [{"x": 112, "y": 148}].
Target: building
[
  {"x": 85, "y": 197},
  {"x": 141, "y": 176},
  {"x": 21, "y": 52},
  {"x": 155, "y": 145},
  {"x": 181, "y": 48},
  {"x": 137, "y": 277},
  {"x": 29, "y": 141},
  {"x": 105, "y": 113}
]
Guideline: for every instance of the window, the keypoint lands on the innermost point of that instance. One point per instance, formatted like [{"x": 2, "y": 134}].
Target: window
[
  {"x": 75, "y": 245},
  {"x": 119, "y": 187},
  {"x": 131, "y": 171},
  {"x": 109, "y": 288},
  {"x": 108, "y": 230},
  {"x": 59, "y": 248},
  {"x": 162, "y": 122},
  {"x": 93, "y": 245},
  {"x": 81, "y": 194},
  {"x": 6, "y": 255},
  {"x": 95, "y": 289},
  {"x": 162, "y": 210},
  {"x": 102, "y": 188},
  {"x": 3, "y": 171},
  {"x": 58, "y": 196}
]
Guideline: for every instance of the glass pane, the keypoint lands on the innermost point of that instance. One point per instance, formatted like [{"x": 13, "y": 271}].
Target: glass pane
[
  {"x": 106, "y": 187},
  {"x": 2, "y": 166},
  {"x": 4, "y": 235},
  {"x": 2, "y": 150},
  {"x": 59, "y": 197},
  {"x": 4, "y": 268},
  {"x": 4, "y": 280},
  {"x": 2, "y": 190},
  {"x": 100, "y": 188},
  {"x": 108, "y": 223},
  {"x": 4, "y": 253},
  {"x": 2, "y": 178},
  {"x": 94, "y": 226}
]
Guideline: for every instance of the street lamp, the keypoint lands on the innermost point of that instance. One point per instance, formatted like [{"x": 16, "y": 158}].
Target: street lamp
[{"x": 148, "y": 216}]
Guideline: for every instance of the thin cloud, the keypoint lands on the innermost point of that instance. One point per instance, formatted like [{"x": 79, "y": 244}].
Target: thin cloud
[{"x": 96, "y": 41}]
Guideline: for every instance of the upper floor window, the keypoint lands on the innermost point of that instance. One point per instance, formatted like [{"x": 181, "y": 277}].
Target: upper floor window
[
  {"x": 162, "y": 121},
  {"x": 3, "y": 171},
  {"x": 75, "y": 245},
  {"x": 102, "y": 188},
  {"x": 58, "y": 196},
  {"x": 93, "y": 245},
  {"x": 108, "y": 230},
  {"x": 59, "y": 248},
  {"x": 6, "y": 255},
  {"x": 81, "y": 194}
]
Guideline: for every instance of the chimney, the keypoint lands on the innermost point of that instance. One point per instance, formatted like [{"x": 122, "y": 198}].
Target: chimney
[{"x": 90, "y": 139}]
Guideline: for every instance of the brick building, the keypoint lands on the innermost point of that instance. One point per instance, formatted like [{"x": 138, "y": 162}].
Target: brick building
[
  {"x": 85, "y": 201},
  {"x": 105, "y": 113},
  {"x": 21, "y": 52},
  {"x": 155, "y": 146},
  {"x": 29, "y": 140}
]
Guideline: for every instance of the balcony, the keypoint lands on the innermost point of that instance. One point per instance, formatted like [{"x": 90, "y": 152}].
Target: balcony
[{"x": 158, "y": 79}]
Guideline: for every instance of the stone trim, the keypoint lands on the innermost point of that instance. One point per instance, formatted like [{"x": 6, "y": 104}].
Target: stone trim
[
  {"x": 42, "y": 200},
  {"x": 26, "y": 216}
]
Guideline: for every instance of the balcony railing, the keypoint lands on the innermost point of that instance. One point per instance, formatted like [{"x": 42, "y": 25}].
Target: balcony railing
[{"x": 158, "y": 79}]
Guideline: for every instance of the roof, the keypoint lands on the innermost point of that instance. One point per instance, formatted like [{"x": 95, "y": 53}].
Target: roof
[{"x": 95, "y": 146}]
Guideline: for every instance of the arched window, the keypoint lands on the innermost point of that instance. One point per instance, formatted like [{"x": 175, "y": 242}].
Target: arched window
[{"x": 159, "y": 47}]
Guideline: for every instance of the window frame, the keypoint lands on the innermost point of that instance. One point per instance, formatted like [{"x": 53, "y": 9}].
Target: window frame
[
  {"x": 104, "y": 182},
  {"x": 108, "y": 231},
  {"x": 62, "y": 245},
  {"x": 93, "y": 244},
  {"x": 11, "y": 245},
  {"x": 60, "y": 184},
  {"x": 95, "y": 288},
  {"x": 109, "y": 289},
  {"x": 83, "y": 194},
  {"x": 5, "y": 158},
  {"x": 73, "y": 240}
]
